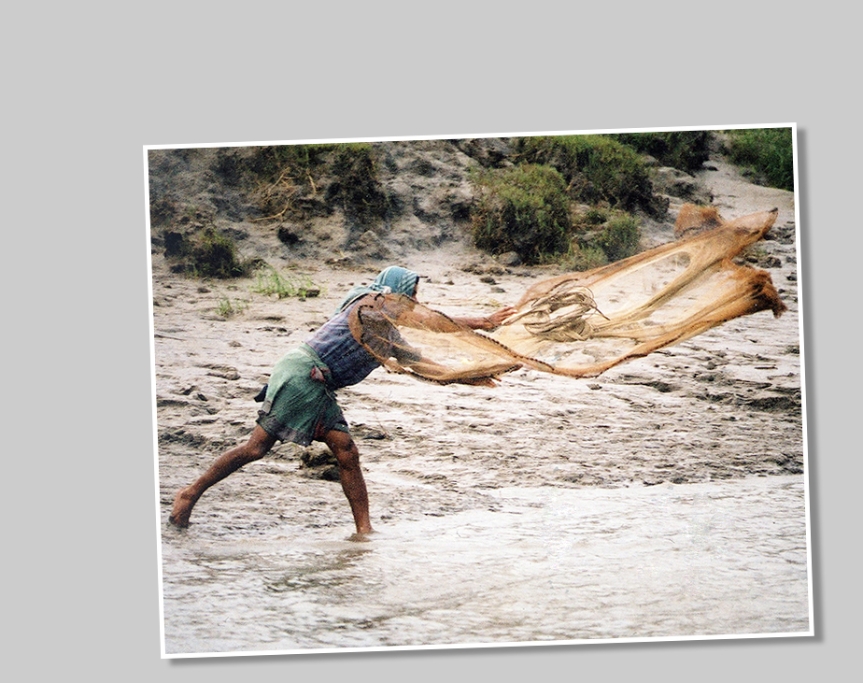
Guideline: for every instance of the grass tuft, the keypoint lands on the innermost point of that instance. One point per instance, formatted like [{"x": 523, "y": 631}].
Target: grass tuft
[{"x": 270, "y": 282}]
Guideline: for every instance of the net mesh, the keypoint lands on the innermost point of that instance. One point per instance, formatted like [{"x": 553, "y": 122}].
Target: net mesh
[{"x": 581, "y": 324}]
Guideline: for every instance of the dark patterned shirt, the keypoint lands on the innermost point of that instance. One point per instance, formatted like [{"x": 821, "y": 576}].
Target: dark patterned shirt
[{"x": 348, "y": 362}]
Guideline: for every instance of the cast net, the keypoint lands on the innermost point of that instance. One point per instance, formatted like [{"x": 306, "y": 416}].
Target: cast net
[{"x": 581, "y": 324}]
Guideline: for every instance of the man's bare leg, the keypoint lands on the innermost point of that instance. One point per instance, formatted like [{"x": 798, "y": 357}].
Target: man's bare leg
[
  {"x": 259, "y": 443},
  {"x": 351, "y": 476}
]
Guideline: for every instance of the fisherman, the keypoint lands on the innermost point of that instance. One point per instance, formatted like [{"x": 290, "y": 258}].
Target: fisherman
[{"x": 299, "y": 403}]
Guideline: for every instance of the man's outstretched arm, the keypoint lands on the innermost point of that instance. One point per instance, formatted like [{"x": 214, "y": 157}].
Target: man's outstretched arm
[{"x": 488, "y": 322}]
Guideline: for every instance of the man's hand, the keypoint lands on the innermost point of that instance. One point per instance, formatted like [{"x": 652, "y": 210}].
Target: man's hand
[
  {"x": 496, "y": 318},
  {"x": 488, "y": 322}
]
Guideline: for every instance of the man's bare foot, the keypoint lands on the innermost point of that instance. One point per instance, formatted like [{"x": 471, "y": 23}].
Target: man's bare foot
[
  {"x": 183, "y": 504},
  {"x": 361, "y": 536}
]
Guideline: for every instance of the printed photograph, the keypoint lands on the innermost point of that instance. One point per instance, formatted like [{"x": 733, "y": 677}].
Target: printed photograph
[{"x": 496, "y": 391}]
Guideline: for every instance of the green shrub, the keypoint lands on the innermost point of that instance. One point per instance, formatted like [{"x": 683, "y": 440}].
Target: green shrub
[
  {"x": 765, "y": 154},
  {"x": 204, "y": 254},
  {"x": 620, "y": 237},
  {"x": 523, "y": 209},
  {"x": 682, "y": 149},
  {"x": 596, "y": 168},
  {"x": 583, "y": 257},
  {"x": 602, "y": 236},
  {"x": 595, "y": 216}
]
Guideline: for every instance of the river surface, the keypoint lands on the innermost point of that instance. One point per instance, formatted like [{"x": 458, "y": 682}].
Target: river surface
[{"x": 545, "y": 564}]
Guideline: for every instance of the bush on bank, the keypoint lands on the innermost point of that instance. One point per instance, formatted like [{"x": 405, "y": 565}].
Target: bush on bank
[
  {"x": 524, "y": 209},
  {"x": 766, "y": 155},
  {"x": 596, "y": 168},
  {"x": 682, "y": 149}
]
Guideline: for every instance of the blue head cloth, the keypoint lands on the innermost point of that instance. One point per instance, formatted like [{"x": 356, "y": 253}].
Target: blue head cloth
[
  {"x": 399, "y": 280},
  {"x": 394, "y": 279}
]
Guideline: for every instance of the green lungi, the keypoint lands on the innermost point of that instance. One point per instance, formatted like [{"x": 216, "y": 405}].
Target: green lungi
[{"x": 299, "y": 405}]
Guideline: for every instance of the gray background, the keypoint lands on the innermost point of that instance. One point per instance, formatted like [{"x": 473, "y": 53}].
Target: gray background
[{"x": 87, "y": 88}]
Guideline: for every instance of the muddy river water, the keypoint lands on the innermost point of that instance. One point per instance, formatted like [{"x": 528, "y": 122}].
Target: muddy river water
[{"x": 547, "y": 565}]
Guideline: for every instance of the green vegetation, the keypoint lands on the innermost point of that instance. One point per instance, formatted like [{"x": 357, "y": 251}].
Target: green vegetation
[
  {"x": 569, "y": 199},
  {"x": 523, "y": 209},
  {"x": 526, "y": 209},
  {"x": 619, "y": 237},
  {"x": 271, "y": 162},
  {"x": 595, "y": 216},
  {"x": 596, "y": 168},
  {"x": 228, "y": 309},
  {"x": 766, "y": 155},
  {"x": 215, "y": 255},
  {"x": 204, "y": 254},
  {"x": 582, "y": 258},
  {"x": 685, "y": 150},
  {"x": 290, "y": 185},
  {"x": 600, "y": 236},
  {"x": 270, "y": 282},
  {"x": 300, "y": 181}
]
